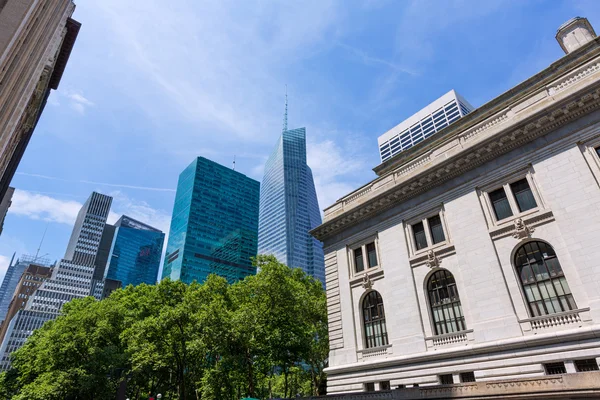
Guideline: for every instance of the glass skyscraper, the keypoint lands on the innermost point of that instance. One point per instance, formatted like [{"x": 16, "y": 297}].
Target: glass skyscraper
[
  {"x": 214, "y": 228},
  {"x": 289, "y": 208},
  {"x": 135, "y": 253}
]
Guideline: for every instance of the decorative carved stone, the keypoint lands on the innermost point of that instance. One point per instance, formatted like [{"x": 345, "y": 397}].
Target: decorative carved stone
[
  {"x": 367, "y": 283},
  {"x": 522, "y": 230},
  {"x": 432, "y": 259}
]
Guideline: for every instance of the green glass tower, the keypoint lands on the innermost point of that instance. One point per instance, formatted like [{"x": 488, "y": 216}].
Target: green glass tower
[{"x": 214, "y": 227}]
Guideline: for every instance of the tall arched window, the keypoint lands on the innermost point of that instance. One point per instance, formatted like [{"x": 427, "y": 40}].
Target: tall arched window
[
  {"x": 542, "y": 278},
  {"x": 374, "y": 320},
  {"x": 445, "y": 303}
]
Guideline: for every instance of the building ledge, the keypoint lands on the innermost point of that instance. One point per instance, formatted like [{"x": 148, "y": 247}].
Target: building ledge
[
  {"x": 542, "y": 338},
  {"x": 582, "y": 385}
]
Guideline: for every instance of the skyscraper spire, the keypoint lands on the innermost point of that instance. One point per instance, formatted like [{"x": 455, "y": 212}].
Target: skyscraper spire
[{"x": 285, "y": 114}]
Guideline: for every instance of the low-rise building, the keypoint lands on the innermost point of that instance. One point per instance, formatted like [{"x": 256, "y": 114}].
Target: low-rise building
[{"x": 474, "y": 255}]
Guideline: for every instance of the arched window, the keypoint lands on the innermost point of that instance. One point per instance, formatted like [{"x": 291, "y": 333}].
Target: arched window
[
  {"x": 374, "y": 320},
  {"x": 445, "y": 303},
  {"x": 544, "y": 283}
]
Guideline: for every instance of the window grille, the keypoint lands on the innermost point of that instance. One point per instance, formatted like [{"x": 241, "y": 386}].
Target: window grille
[
  {"x": 374, "y": 320},
  {"x": 543, "y": 281},
  {"x": 445, "y": 303}
]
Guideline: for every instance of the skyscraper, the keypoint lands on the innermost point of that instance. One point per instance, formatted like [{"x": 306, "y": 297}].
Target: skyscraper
[
  {"x": 9, "y": 284},
  {"x": 421, "y": 125},
  {"x": 289, "y": 208},
  {"x": 135, "y": 253},
  {"x": 36, "y": 38},
  {"x": 71, "y": 279},
  {"x": 214, "y": 227}
]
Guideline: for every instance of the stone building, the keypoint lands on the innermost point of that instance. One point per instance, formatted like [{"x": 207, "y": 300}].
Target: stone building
[
  {"x": 36, "y": 38},
  {"x": 473, "y": 258}
]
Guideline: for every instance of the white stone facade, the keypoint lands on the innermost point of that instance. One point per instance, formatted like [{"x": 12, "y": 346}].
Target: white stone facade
[{"x": 546, "y": 130}]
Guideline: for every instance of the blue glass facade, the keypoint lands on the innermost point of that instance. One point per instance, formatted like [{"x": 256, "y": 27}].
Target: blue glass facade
[
  {"x": 289, "y": 208},
  {"x": 214, "y": 228},
  {"x": 135, "y": 253}
]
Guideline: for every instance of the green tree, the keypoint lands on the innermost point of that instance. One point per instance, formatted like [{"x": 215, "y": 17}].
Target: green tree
[{"x": 261, "y": 337}]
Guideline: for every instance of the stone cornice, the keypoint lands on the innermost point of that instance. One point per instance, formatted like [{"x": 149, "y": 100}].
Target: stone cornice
[{"x": 565, "y": 95}]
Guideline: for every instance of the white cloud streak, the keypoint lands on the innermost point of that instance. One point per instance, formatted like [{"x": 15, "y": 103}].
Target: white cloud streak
[
  {"x": 54, "y": 178},
  {"x": 334, "y": 169},
  {"x": 41, "y": 207}
]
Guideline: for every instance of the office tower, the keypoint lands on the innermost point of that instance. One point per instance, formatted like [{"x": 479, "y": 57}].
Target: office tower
[
  {"x": 102, "y": 257},
  {"x": 12, "y": 278},
  {"x": 9, "y": 284},
  {"x": 33, "y": 275},
  {"x": 36, "y": 38},
  {"x": 135, "y": 253},
  {"x": 71, "y": 279},
  {"x": 289, "y": 208},
  {"x": 214, "y": 227},
  {"x": 4, "y": 205},
  {"x": 436, "y": 116}
]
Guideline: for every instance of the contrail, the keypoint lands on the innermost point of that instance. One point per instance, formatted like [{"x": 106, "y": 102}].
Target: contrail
[{"x": 54, "y": 178}]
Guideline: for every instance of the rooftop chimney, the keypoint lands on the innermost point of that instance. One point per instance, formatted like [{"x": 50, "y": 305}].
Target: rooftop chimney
[{"x": 575, "y": 33}]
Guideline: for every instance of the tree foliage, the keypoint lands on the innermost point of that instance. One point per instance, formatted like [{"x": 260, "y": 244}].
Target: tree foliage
[{"x": 263, "y": 337}]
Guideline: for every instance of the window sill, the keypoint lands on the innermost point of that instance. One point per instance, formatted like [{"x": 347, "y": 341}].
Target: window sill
[
  {"x": 460, "y": 338},
  {"x": 441, "y": 250},
  {"x": 374, "y": 352},
  {"x": 531, "y": 218},
  {"x": 554, "y": 322},
  {"x": 375, "y": 273}
]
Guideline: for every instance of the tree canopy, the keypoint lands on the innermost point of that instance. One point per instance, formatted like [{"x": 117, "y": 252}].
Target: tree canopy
[{"x": 262, "y": 337}]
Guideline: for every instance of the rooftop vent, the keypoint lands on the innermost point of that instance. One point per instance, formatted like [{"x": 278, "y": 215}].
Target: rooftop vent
[{"x": 575, "y": 33}]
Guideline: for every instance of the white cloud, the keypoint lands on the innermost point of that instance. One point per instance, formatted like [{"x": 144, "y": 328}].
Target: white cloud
[
  {"x": 337, "y": 170},
  {"x": 41, "y": 207},
  {"x": 76, "y": 100},
  {"x": 220, "y": 64},
  {"x": 140, "y": 210}
]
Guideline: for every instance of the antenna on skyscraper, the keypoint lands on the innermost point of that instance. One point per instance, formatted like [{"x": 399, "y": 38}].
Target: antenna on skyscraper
[
  {"x": 234, "y": 162},
  {"x": 285, "y": 114},
  {"x": 41, "y": 241}
]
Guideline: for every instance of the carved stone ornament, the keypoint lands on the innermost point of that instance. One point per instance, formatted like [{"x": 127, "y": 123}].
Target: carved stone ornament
[
  {"x": 522, "y": 230},
  {"x": 367, "y": 283},
  {"x": 432, "y": 259}
]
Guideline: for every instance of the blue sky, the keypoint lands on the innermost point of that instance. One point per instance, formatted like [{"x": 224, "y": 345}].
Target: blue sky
[{"x": 151, "y": 84}]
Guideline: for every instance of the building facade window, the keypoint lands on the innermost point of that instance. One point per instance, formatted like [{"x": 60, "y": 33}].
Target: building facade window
[
  {"x": 586, "y": 365},
  {"x": 556, "y": 368},
  {"x": 542, "y": 278},
  {"x": 446, "y": 379},
  {"x": 370, "y": 387},
  {"x": 359, "y": 264},
  {"x": 436, "y": 229},
  {"x": 500, "y": 204},
  {"x": 467, "y": 377},
  {"x": 365, "y": 256},
  {"x": 374, "y": 320},
  {"x": 419, "y": 236},
  {"x": 384, "y": 385},
  {"x": 428, "y": 232},
  {"x": 445, "y": 303},
  {"x": 512, "y": 199}
]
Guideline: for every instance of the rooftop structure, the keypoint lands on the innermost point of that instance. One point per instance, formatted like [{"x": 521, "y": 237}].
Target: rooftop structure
[{"x": 423, "y": 124}]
